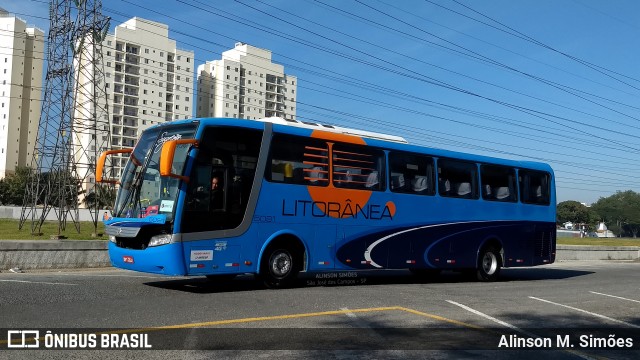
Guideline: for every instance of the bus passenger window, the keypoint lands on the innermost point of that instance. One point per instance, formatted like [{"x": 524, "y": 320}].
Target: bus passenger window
[
  {"x": 411, "y": 173},
  {"x": 498, "y": 183},
  {"x": 358, "y": 167},
  {"x": 298, "y": 160},
  {"x": 534, "y": 187},
  {"x": 458, "y": 179}
]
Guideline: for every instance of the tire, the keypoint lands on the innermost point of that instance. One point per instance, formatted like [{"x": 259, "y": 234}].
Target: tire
[
  {"x": 280, "y": 267},
  {"x": 489, "y": 264}
]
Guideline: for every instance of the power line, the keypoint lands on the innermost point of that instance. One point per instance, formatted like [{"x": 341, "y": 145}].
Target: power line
[
  {"x": 389, "y": 123},
  {"x": 425, "y": 62},
  {"x": 426, "y": 79},
  {"x": 422, "y": 18},
  {"x": 600, "y": 69}
]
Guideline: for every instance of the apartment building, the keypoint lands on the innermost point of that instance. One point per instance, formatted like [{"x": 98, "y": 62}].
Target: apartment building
[
  {"x": 21, "y": 61},
  {"x": 149, "y": 80},
  {"x": 245, "y": 84}
]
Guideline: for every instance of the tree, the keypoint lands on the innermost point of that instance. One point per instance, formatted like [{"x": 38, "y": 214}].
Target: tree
[
  {"x": 103, "y": 197},
  {"x": 621, "y": 212},
  {"x": 575, "y": 212},
  {"x": 13, "y": 186}
]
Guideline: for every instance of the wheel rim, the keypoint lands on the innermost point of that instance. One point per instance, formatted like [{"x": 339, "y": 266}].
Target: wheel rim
[
  {"x": 280, "y": 264},
  {"x": 489, "y": 263}
]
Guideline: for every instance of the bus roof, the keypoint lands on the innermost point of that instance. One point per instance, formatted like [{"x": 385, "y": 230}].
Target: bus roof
[
  {"x": 376, "y": 139},
  {"x": 336, "y": 129}
]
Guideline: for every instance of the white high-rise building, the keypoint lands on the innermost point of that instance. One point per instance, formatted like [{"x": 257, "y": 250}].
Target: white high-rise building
[
  {"x": 245, "y": 84},
  {"x": 149, "y": 80},
  {"x": 21, "y": 62}
]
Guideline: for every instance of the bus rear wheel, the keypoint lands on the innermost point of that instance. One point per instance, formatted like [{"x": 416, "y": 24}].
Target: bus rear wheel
[
  {"x": 489, "y": 264},
  {"x": 279, "y": 268}
]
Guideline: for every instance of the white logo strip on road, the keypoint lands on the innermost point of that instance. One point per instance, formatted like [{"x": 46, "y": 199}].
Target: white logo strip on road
[
  {"x": 588, "y": 312},
  {"x": 37, "y": 282}
]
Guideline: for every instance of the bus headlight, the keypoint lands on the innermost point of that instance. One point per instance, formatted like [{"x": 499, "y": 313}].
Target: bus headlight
[
  {"x": 160, "y": 240},
  {"x": 112, "y": 238}
]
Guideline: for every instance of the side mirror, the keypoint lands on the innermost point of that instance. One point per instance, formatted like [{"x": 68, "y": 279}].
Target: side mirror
[
  {"x": 100, "y": 165},
  {"x": 167, "y": 154}
]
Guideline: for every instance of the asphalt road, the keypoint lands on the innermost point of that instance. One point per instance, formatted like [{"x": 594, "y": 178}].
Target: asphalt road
[{"x": 339, "y": 315}]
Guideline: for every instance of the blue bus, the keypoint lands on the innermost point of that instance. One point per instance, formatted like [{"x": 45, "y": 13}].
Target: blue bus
[{"x": 295, "y": 196}]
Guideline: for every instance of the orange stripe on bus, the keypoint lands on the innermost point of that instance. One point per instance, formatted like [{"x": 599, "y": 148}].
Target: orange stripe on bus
[{"x": 326, "y": 135}]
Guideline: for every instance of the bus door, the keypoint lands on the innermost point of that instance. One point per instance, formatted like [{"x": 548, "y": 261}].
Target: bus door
[{"x": 216, "y": 200}]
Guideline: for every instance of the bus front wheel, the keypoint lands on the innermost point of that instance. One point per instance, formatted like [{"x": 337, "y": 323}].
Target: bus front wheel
[
  {"x": 279, "y": 268},
  {"x": 489, "y": 264}
]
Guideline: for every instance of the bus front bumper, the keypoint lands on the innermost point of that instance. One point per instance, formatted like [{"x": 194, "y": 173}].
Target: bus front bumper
[{"x": 165, "y": 259}]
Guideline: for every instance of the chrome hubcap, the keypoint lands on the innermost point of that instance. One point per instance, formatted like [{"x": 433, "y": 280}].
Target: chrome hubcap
[
  {"x": 280, "y": 264},
  {"x": 489, "y": 263}
]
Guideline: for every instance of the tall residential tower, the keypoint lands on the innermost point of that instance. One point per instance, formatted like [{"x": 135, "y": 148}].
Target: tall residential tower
[
  {"x": 149, "y": 80},
  {"x": 21, "y": 62},
  {"x": 245, "y": 84}
]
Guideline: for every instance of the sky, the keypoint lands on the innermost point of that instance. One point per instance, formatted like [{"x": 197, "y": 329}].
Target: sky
[{"x": 542, "y": 80}]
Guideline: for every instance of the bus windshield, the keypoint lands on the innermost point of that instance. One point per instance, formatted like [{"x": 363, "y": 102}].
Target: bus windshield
[{"x": 143, "y": 191}]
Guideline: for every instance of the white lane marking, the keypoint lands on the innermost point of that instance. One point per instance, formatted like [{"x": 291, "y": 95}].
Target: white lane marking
[
  {"x": 493, "y": 319},
  {"x": 524, "y": 332},
  {"x": 588, "y": 312},
  {"x": 37, "y": 282},
  {"x": 613, "y": 296}
]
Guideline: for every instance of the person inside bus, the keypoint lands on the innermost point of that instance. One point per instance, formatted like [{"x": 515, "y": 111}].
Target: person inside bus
[{"x": 216, "y": 195}]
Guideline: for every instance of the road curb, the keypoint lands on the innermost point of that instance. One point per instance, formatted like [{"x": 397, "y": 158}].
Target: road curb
[
  {"x": 588, "y": 252},
  {"x": 53, "y": 254}
]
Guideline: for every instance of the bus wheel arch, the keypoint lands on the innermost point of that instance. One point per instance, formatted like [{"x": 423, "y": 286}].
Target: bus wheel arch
[
  {"x": 490, "y": 260},
  {"x": 282, "y": 258}
]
